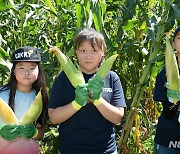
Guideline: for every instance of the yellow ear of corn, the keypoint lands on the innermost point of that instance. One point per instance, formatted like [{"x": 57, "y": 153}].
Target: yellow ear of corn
[
  {"x": 34, "y": 110},
  {"x": 74, "y": 75},
  {"x": 172, "y": 71},
  {"x": 7, "y": 114},
  {"x": 106, "y": 66}
]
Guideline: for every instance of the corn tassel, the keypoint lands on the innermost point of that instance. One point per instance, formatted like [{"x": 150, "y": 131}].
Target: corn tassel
[
  {"x": 34, "y": 110},
  {"x": 172, "y": 71},
  {"x": 106, "y": 66},
  {"x": 7, "y": 113},
  {"x": 74, "y": 75}
]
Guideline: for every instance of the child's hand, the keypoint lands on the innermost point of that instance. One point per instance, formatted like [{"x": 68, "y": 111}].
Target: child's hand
[
  {"x": 28, "y": 131},
  {"x": 95, "y": 86},
  {"x": 9, "y": 132},
  {"x": 81, "y": 95},
  {"x": 173, "y": 94}
]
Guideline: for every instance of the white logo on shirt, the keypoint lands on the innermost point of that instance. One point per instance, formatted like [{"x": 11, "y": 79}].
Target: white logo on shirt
[{"x": 107, "y": 90}]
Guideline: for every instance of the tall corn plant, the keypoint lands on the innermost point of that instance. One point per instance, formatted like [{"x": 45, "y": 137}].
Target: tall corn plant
[{"x": 5, "y": 66}]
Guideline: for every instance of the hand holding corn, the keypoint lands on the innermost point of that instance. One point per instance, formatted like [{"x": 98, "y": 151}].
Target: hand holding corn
[
  {"x": 96, "y": 86},
  {"x": 9, "y": 132},
  {"x": 12, "y": 132},
  {"x": 81, "y": 95},
  {"x": 76, "y": 78},
  {"x": 173, "y": 94},
  {"x": 11, "y": 129},
  {"x": 28, "y": 131}
]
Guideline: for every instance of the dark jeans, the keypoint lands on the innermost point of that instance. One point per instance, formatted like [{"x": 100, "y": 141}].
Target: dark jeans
[
  {"x": 165, "y": 150},
  {"x": 111, "y": 153}
]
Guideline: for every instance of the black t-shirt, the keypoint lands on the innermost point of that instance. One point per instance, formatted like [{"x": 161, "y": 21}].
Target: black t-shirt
[
  {"x": 87, "y": 131},
  {"x": 168, "y": 127}
]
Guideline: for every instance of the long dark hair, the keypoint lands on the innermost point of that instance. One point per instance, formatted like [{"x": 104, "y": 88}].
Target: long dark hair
[{"x": 38, "y": 85}]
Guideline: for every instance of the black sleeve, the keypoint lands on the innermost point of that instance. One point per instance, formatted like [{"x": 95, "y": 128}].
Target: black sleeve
[
  {"x": 169, "y": 110},
  {"x": 160, "y": 91}
]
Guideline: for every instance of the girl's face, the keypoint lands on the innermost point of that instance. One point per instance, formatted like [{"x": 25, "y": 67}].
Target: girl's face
[
  {"x": 89, "y": 58},
  {"x": 176, "y": 43},
  {"x": 26, "y": 74}
]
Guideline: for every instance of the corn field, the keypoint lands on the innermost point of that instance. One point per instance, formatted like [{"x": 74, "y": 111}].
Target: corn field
[{"x": 135, "y": 29}]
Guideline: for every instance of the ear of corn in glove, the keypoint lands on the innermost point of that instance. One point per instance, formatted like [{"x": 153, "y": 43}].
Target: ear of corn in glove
[
  {"x": 96, "y": 84},
  {"x": 172, "y": 73},
  {"x": 12, "y": 132},
  {"x": 75, "y": 76}
]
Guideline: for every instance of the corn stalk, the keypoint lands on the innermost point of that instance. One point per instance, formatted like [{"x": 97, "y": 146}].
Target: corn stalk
[{"x": 142, "y": 82}]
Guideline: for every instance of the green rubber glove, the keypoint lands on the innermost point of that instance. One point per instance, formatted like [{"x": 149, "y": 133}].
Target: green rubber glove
[
  {"x": 28, "y": 131},
  {"x": 10, "y": 132},
  {"x": 172, "y": 93},
  {"x": 81, "y": 94},
  {"x": 96, "y": 86}
]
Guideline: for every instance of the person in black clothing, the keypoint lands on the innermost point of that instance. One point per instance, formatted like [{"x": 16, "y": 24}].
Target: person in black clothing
[
  {"x": 86, "y": 127},
  {"x": 167, "y": 138}
]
